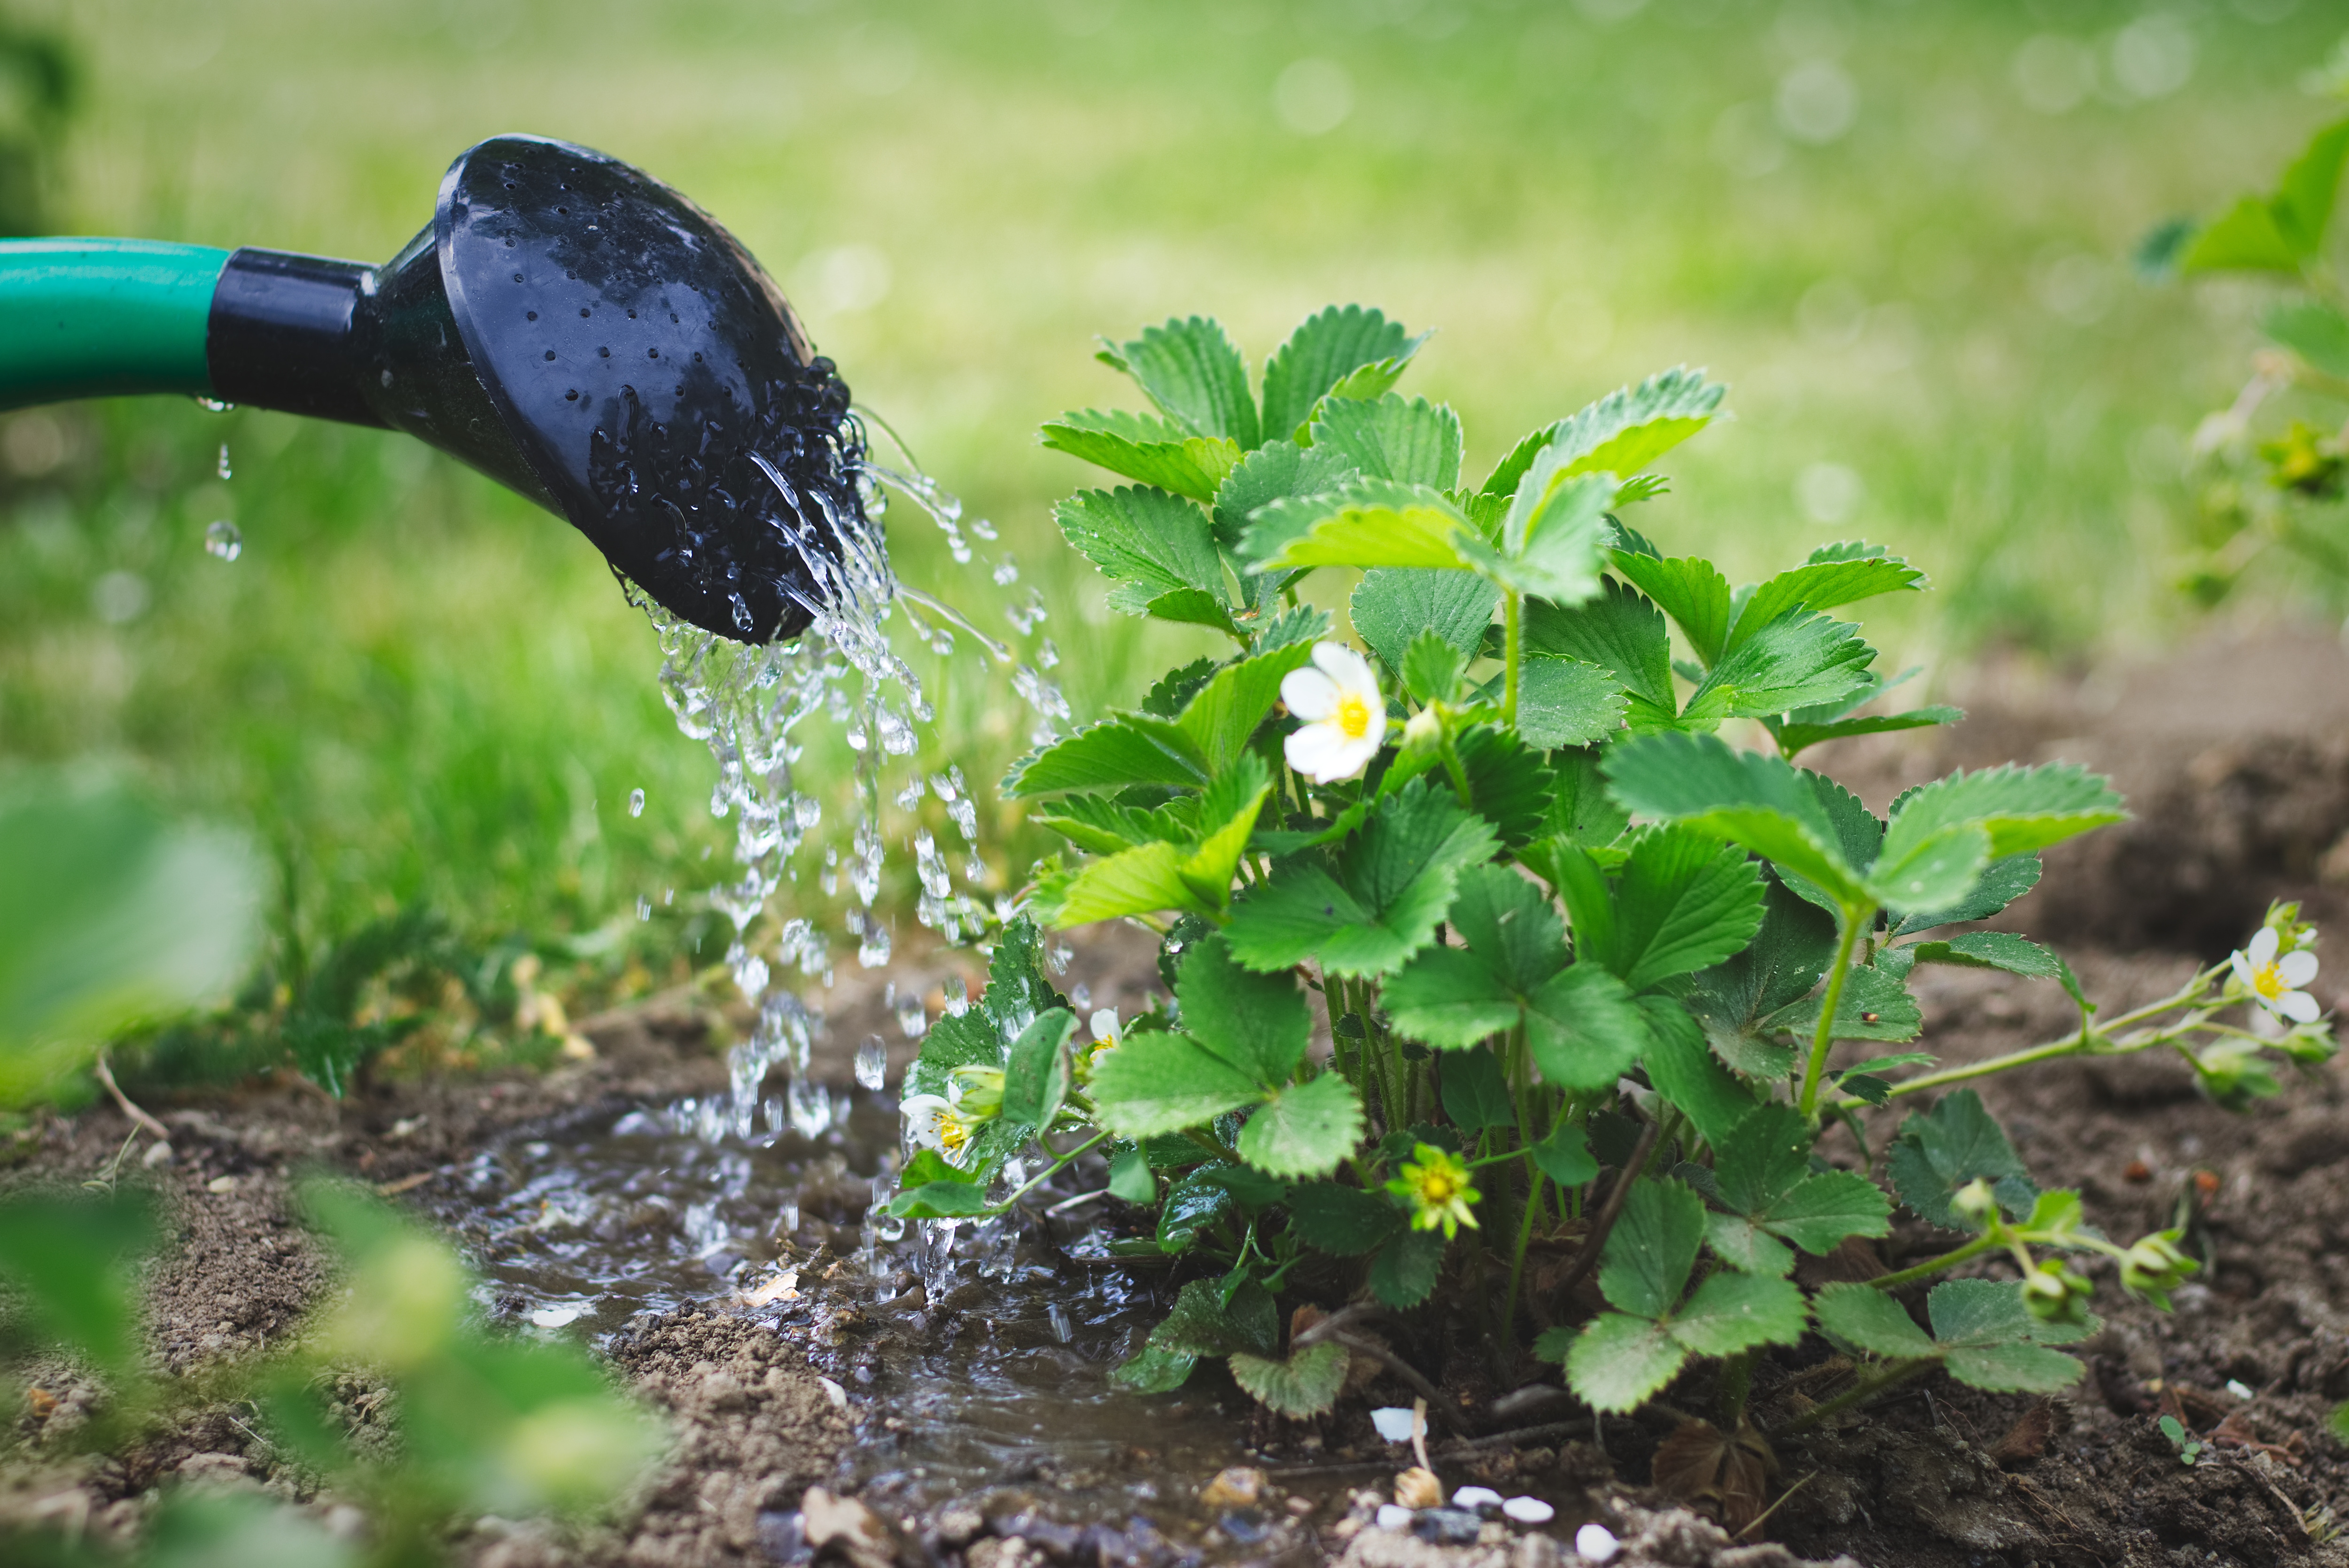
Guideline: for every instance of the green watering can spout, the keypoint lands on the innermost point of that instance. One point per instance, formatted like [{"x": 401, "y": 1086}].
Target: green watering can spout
[{"x": 566, "y": 324}]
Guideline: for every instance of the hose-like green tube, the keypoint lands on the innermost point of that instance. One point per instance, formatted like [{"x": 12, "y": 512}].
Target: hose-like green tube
[{"x": 97, "y": 318}]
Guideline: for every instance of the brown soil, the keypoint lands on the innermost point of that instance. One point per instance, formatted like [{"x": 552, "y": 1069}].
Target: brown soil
[{"x": 2237, "y": 765}]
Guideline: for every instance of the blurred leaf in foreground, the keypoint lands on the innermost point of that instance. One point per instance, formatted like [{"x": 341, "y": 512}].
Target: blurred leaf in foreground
[{"x": 111, "y": 916}]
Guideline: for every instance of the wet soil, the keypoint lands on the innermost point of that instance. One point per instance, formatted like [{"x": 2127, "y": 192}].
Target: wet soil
[{"x": 2240, "y": 780}]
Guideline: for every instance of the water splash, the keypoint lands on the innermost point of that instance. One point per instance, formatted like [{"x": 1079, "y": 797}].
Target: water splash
[
  {"x": 222, "y": 541},
  {"x": 223, "y": 468},
  {"x": 748, "y": 704}
]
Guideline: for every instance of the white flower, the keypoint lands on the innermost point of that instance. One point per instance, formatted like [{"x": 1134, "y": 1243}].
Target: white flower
[
  {"x": 2274, "y": 981},
  {"x": 931, "y": 1123},
  {"x": 1346, "y": 719},
  {"x": 1103, "y": 1026}
]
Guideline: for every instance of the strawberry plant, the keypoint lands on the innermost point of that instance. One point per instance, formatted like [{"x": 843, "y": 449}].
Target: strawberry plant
[{"x": 1480, "y": 933}]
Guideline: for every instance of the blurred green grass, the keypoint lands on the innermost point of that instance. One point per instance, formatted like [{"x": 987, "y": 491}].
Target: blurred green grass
[{"x": 1897, "y": 230}]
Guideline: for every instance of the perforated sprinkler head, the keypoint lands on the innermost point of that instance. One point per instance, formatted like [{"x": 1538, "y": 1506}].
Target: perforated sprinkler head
[{"x": 588, "y": 337}]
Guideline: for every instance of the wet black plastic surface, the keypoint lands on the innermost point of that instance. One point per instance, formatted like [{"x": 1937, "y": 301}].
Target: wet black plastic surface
[{"x": 588, "y": 337}]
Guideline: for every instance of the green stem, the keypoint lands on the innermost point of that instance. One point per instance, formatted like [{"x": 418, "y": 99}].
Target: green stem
[
  {"x": 1822, "y": 1040},
  {"x": 1736, "y": 1387},
  {"x": 1518, "y": 1258},
  {"x": 1513, "y": 643},
  {"x": 1060, "y": 1164},
  {"x": 1973, "y": 1249},
  {"x": 2083, "y": 1043},
  {"x": 1860, "y": 1393}
]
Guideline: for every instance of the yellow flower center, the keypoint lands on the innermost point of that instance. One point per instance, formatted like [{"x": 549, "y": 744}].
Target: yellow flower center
[
  {"x": 1353, "y": 715},
  {"x": 1437, "y": 1188},
  {"x": 2267, "y": 982},
  {"x": 952, "y": 1133}
]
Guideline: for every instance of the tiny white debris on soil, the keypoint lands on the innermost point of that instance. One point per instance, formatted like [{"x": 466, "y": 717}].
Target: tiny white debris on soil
[
  {"x": 1534, "y": 1510},
  {"x": 1394, "y": 1516},
  {"x": 1595, "y": 1544},
  {"x": 1475, "y": 1497},
  {"x": 1394, "y": 1422}
]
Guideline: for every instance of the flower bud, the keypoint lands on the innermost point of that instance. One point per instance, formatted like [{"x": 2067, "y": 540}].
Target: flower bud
[
  {"x": 2057, "y": 1295},
  {"x": 1975, "y": 1204},
  {"x": 976, "y": 1092},
  {"x": 1424, "y": 731},
  {"x": 2155, "y": 1266}
]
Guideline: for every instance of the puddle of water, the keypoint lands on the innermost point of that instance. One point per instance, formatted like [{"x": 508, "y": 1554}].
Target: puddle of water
[{"x": 994, "y": 1373}]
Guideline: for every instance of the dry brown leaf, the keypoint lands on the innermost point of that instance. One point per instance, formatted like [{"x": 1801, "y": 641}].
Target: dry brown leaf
[
  {"x": 2026, "y": 1439},
  {"x": 1702, "y": 1467}
]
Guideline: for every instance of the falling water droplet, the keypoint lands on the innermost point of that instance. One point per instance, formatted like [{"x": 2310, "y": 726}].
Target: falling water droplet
[
  {"x": 872, "y": 1063},
  {"x": 213, "y": 405},
  {"x": 635, "y": 802},
  {"x": 644, "y": 907},
  {"x": 958, "y": 991},
  {"x": 221, "y": 540},
  {"x": 223, "y": 460}
]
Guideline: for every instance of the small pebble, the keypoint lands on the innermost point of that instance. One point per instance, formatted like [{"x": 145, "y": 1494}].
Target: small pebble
[
  {"x": 1475, "y": 1497},
  {"x": 158, "y": 1153},
  {"x": 221, "y": 1185},
  {"x": 1595, "y": 1544},
  {"x": 836, "y": 1393},
  {"x": 1393, "y": 1516},
  {"x": 1393, "y": 1423},
  {"x": 2239, "y": 1389},
  {"x": 1534, "y": 1510}
]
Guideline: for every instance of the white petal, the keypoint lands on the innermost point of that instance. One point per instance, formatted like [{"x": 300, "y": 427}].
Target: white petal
[
  {"x": 2261, "y": 949},
  {"x": 1348, "y": 668},
  {"x": 1104, "y": 1024},
  {"x": 1394, "y": 1422},
  {"x": 1318, "y": 751},
  {"x": 2298, "y": 1007},
  {"x": 2296, "y": 968},
  {"x": 1310, "y": 693},
  {"x": 2243, "y": 967},
  {"x": 1354, "y": 756}
]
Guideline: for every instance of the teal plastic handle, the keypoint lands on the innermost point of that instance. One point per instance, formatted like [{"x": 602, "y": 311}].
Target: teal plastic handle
[{"x": 101, "y": 318}]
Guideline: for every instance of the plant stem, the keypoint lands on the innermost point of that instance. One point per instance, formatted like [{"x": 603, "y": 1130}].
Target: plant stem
[
  {"x": 1974, "y": 1248},
  {"x": 1513, "y": 648},
  {"x": 1736, "y": 1387},
  {"x": 2085, "y": 1043},
  {"x": 1517, "y": 1258},
  {"x": 1060, "y": 1164},
  {"x": 1860, "y": 1393},
  {"x": 1593, "y": 1243},
  {"x": 1822, "y": 1040}
]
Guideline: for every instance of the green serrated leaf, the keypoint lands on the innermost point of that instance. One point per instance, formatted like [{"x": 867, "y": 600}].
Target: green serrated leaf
[
  {"x": 1687, "y": 1074},
  {"x": 1476, "y": 1091},
  {"x": 1795, "y": 661},
  {"x": 1147, "y": 543},
  {"x": 1139, "y": 880},
  {"x": 1305, "y": 1130},
  {"x": 1407, "y": 439},
  {"x": 1363, "y": 523},
  {"x": 1618, "y": 1360},
  {"x": 1989, "y": 1340},
  {"x": 1327, "y": 348},
  {"x": 1941, "y": 1151},
  {"x": 2019, "y": 809},
  {"x": 1281, "y": 471},
  {"x": 1567, "y": 702},
  {"x": 1115, "y": 754},
  {"x": 2001, "y": 883},
  {"x": 2245, "y": 238},
  {"x": 1652, "y": 1248},
  {"x": 1016, "y": 992},
  {"x": 1304, "y": 1385},
  {"x": 1392, "y": 605},
  {"x": 1744, "y": 1245},
  {"x": 1400, "y": 877},
  {"x": 1153, "y": 452},
  {"x": 1344, "y": 1222},
  {"x": 1581, "y": 809},
  {"x": 1193, "y": 372},
  {"x": 1156, "y": 1083},
  {"x": 1623, "y": 432},
  {"x": 1223, "y": 714},
  {"x": 1551, "y": 535},
  {"x": 1693, "y": 592},
  {"x": 1683, "y": 902},
  {"x": 1875, "y": 1005},
  {"x": 1749, "y": 799},
  {"x": 1619, "y": 631},
  {"x": 2303, "y": 201},
  {"x": 1583, "y": 1029},
  {"x": 1259, "y": 1023},
  {"x": 1822, "y": 585},
  {"x": 1432, "y": 668},
  {"x": 1129, "y": 1179},
  {"x": 1795, "y": 737},
  {"x": 2312, "y": 328},
  {"x": 1781, "y": 965},
  {"x": 1734, "y": 1312},
  {"x": 2002, "y": 950},
  {"x": 1866, "y": 1318},
  {"x": 1403, "y": 1272},
  {"x": 1202, "y": 1324}
]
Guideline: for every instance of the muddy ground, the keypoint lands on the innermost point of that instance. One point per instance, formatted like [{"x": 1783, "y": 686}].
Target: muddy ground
[{"x": 2237, "y": 765}]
